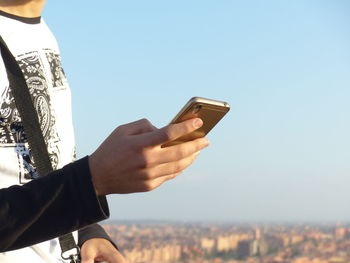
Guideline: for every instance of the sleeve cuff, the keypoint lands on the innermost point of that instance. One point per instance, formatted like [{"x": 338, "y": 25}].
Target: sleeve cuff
[
  {"x": 95, "y": 206},
  {"x": 93, "y": 231}
]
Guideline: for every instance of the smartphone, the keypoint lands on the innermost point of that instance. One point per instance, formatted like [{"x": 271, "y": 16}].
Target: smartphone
[{"x": 210, "y": 111}]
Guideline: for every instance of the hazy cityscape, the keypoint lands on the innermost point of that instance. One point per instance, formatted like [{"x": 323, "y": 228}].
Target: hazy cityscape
[{"x": 157, "y": 242}]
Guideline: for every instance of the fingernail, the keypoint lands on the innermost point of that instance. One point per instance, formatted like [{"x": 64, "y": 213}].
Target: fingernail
[
  {"x": 197, "y": 123},
  {"x": 205, "y": 142}
]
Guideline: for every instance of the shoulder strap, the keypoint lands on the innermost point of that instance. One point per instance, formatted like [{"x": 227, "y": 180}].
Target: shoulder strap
[
  {"x": 33, "y": 131},
  {"x": 27, "y": 111}
]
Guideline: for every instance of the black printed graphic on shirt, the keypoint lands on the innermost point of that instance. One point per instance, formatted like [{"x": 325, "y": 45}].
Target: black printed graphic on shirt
[
  {"x": 40, "y": 88},
  {"x": 9, "y": 118},
  {"x": 57, "y": 73}
]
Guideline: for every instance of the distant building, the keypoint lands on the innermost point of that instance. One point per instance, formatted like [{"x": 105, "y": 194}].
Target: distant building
[
  {"x": 244, "y": 249},
  {"x": 340, "y": 233},
  {"x": 274, "y": 243},
  {"x": 259, "y": 248},
  {"x": 264, "y": 247},
  {"x": 254, "y": 248},
  {"x": 258, "y": 233},
  {"x": 207, "y": 244}
]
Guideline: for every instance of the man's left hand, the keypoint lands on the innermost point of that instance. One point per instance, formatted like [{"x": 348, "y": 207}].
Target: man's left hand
[{"x": 99, "y": 249}]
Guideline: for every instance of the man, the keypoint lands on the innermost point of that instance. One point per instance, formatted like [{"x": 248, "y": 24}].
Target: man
[{"x": 130, "y": 160}]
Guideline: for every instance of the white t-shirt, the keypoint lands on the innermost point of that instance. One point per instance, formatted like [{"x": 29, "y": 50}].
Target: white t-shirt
[{"x": 37, "y": 53}]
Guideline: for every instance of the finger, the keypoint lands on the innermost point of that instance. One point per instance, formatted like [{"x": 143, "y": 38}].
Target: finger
[
  {"x": 161, "y": 180},
  {"x": 174, "y": 153},
  {"x": 171, "y": 132},
  {"x": 115, "y": 258},
  {"x": 136, "y": 127},
  {"x": 87, "y": 256},
  {"x": 168, "y": 170},
  {"x": 183, "y": 150}
]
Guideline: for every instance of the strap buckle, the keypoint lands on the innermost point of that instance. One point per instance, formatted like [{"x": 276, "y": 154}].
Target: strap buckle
[{"x": 73, "y": 255}]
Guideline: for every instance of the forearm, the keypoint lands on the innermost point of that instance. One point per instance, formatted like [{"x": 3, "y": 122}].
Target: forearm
[{"x": 49, "y": 207}]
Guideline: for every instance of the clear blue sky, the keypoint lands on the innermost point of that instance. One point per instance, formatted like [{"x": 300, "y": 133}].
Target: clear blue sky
[{"x": 283, "y": 151}]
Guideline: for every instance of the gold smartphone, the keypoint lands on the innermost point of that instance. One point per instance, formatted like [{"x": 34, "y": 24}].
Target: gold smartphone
[{"x": 210, "y": 111}]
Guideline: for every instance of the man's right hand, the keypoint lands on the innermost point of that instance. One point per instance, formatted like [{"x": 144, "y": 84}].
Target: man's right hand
[{"x": 132, "y": 160}]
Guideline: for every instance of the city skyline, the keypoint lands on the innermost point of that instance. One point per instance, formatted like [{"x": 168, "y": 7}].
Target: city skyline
[
  {"x": 231, "y": 243},
  {"x": 282, "y": 152}
]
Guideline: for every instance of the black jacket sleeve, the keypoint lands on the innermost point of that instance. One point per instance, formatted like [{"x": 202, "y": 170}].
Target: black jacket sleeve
[
  {"x": 93, "y": 231},
  {"x": 50, "y": 206}
]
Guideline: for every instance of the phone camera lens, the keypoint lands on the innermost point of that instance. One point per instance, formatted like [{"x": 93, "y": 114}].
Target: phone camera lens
[{"x": 197, "y": 108}]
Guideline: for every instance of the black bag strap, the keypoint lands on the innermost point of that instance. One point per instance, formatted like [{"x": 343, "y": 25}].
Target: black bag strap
[
  {"x": 33, "y": 133},
  {"x": 27, "y": 111}
]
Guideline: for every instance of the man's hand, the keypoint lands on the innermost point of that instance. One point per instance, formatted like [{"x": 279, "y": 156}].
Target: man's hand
[
  {"x": 132, "y": 160},
  {"x": 99, "y": 249}
]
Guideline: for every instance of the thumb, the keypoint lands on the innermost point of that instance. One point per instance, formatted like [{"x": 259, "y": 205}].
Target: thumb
[{"x": 171, "y": 132}]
